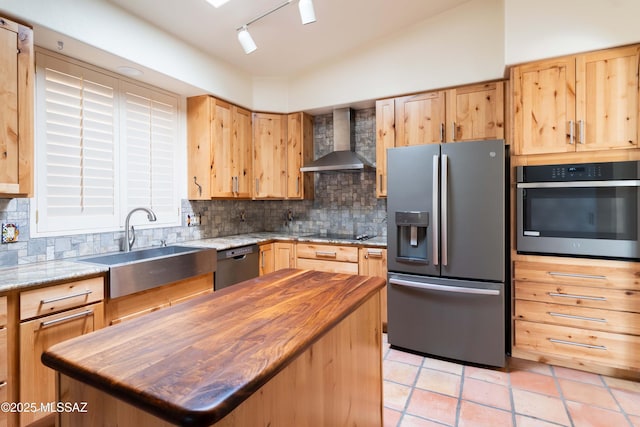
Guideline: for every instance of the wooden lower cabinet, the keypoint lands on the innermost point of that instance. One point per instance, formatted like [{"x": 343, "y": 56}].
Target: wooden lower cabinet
[
  {"x": 135, "y": 305},
  {"x": 373, "y": 262},
  {"x": 276, "y": 256},
  {"x": 37, "y": 382},
  {"x": 331, "y": 258},
  {"x": 4, "y": 363},
  {"x": 578, "y": 313}
]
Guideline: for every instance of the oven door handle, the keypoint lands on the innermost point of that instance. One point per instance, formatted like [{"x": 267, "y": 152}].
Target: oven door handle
[
  {"x": 443, "y": 288},
  {"x": 581, "y": 184}
]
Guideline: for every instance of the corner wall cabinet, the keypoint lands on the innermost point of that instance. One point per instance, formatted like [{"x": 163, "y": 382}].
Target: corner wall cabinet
[
  {"x": 583, "y": 102},
  {"x": 460, "y": 114},
  {"x": 269, "y": 156},
  {"x": 219, "y": 149},
  {"x": 16, "y": 109}
]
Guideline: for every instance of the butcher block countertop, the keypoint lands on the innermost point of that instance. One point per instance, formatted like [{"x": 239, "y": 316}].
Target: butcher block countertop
[{"x": 193, "y": 363}]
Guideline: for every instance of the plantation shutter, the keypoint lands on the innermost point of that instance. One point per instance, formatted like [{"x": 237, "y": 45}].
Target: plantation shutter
[
  {"x": 76, "y": 168},
  {"x": 150, "y": 139}
]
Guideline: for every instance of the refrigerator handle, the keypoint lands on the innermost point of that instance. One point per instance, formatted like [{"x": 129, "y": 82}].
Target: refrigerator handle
[
  {"x": 444, "y": 209},
  {"x": 443, "y": 288},
  {"x": 435, "y": 198}
]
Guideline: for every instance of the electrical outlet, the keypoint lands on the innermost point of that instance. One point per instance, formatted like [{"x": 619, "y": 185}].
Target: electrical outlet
[{"x": 194, "y": 220}]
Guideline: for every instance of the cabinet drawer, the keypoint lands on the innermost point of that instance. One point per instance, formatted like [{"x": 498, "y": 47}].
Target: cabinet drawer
[
  {"x": 53, "y": 299},
  {"x": 583, "y": 296},
  {"x": 578, "y": 274},
  {"x": 579, "y": 317},
  {"x": 581, "y": 345},
  {"x": 3, "y": 311},
  {"x": 327, "y": 252},
  {"x": 329, "y": 266}
]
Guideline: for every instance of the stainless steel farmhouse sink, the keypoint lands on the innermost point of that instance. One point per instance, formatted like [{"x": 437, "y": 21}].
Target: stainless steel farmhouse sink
[{"x": 136, "y": 271}]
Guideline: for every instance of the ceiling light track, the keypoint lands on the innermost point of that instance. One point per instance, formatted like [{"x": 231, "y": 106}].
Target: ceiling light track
[{"x": 307, "y": 16}]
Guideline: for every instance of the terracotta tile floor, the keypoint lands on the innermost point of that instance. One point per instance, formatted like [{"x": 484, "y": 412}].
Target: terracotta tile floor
[{"x": 421, "y": 391}]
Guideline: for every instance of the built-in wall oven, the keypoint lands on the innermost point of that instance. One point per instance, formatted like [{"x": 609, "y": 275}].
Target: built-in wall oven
[{"x": 587, "y": 209}]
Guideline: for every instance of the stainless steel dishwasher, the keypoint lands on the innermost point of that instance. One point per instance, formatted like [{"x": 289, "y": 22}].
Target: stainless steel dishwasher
[{"x": 236, "y": 265}]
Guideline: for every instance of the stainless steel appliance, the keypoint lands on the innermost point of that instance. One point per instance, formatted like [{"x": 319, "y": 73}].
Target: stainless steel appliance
[
  {"x": 587, "y": 209},
  {"x": 446, "y": 218},
  {"x": 236, "y": 265}
]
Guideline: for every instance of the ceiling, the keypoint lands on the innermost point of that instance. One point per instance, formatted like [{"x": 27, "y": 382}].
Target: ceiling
[{"x": 285, "y": 46}]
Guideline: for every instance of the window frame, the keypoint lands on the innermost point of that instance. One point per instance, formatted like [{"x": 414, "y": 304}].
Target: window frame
[{"x": 43, "y": 226}]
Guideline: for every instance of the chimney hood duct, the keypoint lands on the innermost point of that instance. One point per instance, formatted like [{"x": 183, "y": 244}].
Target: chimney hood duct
[{"x": 343, "y": 158}]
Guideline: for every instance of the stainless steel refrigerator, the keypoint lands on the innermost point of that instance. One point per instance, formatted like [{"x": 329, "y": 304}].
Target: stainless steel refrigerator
[{"x": 447, "y": 250}]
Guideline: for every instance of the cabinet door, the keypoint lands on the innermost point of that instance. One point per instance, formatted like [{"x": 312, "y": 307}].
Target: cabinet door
[
  {"x": 607, "y": 99},
  {"x": 544, "y": 106},
  {"x": 241, "y": 153},
  {"x": 221, "y": 149},
  {"x": 199, "y": 147},
  {"x": 284, "y": 255},
  {"x": 420, "y": 119},
  {"x": 373, "y": 262},
  {"x": 475, "y": 112},
  {"x": 266, "y": 259},
  {"x": 37, "y": 382},
  {"x": 385, "y": 138},
  {"x": 8, "y": 112},
  {"x": 269, "y": 156},
  {"x": 299, "y": 152}
]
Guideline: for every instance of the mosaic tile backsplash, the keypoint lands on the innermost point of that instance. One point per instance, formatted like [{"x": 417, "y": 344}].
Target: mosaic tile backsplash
[{"x": 344, "y": 202}]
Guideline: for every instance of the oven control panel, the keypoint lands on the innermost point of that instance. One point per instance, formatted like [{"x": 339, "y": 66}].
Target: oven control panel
[{"x": 606, "y": 171}]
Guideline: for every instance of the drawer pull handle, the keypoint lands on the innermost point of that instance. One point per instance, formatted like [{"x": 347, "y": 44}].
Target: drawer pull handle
[
  {"x": 3, "y": 384},
  {"x": 56, "y": 299},
  {"x": 66, "y": 318},
  {"x": 554, "y": 294},
  {"x": 578, "y": 344},
  {"x": 326, "y": 254},
  {"x": 571, "y": 316},
  {"x": 578, "y": 275},
  {"x": 374, "y": 253}
]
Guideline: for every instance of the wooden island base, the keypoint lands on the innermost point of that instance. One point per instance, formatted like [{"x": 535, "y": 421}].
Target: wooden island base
[{"x": 336, "y": 381}]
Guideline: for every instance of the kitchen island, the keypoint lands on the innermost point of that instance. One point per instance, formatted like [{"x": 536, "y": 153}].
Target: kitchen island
[{"x": 291, "y": 348}]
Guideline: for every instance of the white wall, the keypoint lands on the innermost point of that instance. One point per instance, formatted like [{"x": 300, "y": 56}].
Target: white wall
[
  {"x": 547, "y": 28},
  {"x": 463, "y": 45},
  {"x": 95, "y": 31}
]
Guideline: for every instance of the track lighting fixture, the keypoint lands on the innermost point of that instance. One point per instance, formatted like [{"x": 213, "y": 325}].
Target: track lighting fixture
[
  {"x": 246, "y": 40},
  {"x": 217, "y": 3},
  {"x": 307, "y": 16}
]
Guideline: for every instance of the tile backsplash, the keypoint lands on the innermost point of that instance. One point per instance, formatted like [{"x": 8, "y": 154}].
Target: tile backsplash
[{"x": 344, "y": 202}]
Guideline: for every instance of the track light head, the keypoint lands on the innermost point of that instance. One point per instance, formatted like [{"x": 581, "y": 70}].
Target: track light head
[
  {"x": 246, "y": 40},
  {"x": 307, "y": 13}
]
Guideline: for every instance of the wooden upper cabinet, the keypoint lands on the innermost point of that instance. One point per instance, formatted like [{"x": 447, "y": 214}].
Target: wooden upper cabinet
[
  {"x": 582, "y": 102},
  {"x": 385, "y": 138},
  {"x": 607, "y": 107},
  {"x": 269, "y": 156},
  {"x": 475, "y": 112},
  {"x": 544, "y": 106},
  {"x": 420, "y": 119},
  {"x": 241, "y": 159},
  {"x": 16, "y": 109},
  {"x": 219, "y": 149},
  {"x": 299, "y": 152}
]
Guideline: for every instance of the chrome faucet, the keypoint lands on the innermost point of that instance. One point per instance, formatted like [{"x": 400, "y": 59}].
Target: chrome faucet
[{"x": 130, "y": 233}]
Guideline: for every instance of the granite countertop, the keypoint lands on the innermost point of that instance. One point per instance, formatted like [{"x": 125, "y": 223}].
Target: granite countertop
[
  {"x": 197, "y": 375},
  {"x": 42, "y": 273}
]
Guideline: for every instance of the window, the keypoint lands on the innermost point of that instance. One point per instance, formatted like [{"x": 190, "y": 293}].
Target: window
[{"x": 103, "y": 146}]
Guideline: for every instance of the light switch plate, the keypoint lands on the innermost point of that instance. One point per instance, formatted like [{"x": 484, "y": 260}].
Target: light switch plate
[{"x": 193, "y": 220}]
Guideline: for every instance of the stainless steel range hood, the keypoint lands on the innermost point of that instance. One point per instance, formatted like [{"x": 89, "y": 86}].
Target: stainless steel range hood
[{"x": 343, "y": 158}]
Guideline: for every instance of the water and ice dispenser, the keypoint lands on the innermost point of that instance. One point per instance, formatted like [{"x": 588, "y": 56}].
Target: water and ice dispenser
[{"x": 412, "y": 236}]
